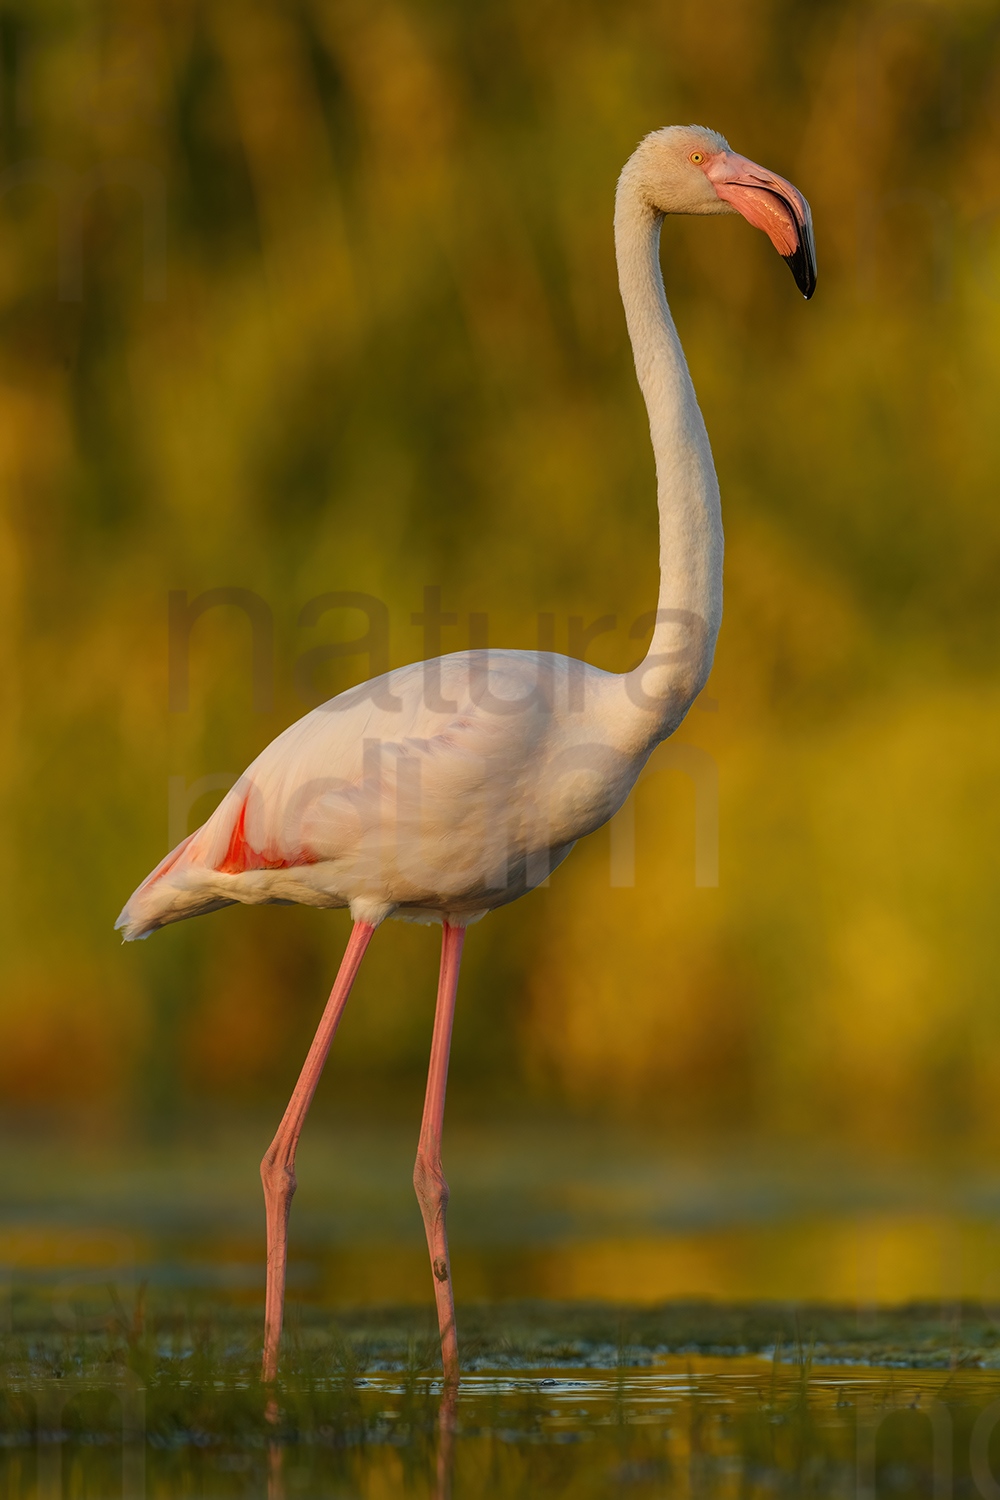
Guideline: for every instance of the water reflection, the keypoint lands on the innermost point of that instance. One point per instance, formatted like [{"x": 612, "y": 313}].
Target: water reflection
[
  {"x": 565, "y": 1394},
  {"x": 715, "y": 1430},
  {"x": 447, "y": 1425}
]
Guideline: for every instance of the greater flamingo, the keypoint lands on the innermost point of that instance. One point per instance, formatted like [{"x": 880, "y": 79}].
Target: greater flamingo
[{"x": 449, "y": 787}]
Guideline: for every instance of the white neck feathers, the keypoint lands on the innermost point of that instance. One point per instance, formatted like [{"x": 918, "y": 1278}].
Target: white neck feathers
[{"x": 689, "y": 608}]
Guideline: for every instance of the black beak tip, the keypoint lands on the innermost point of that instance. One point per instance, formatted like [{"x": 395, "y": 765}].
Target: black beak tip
[{"x": 803, "y": 269}]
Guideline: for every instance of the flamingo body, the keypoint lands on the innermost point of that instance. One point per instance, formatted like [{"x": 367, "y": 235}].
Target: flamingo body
[{"x": 380, "y": 802}]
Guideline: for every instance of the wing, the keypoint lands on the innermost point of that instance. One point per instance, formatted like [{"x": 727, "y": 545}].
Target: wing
[{"x": 417, "y": 787}]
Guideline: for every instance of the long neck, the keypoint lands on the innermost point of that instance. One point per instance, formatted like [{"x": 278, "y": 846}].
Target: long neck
[{"x": 689, "y": 609}]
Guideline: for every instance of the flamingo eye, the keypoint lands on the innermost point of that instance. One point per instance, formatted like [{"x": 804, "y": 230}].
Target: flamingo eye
[{"x": 697, "y": 157}]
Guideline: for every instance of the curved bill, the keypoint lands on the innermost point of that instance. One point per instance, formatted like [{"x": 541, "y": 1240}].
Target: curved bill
[{"x": 770, "y": 203}]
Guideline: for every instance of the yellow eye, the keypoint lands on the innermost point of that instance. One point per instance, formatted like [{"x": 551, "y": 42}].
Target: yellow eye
[{"x": 697, "y": 156}]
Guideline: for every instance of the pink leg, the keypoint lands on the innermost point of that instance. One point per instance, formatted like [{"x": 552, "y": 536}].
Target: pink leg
[
  {"x": 428, "y": 1175},
  {"x": 277, "y": 1170}
]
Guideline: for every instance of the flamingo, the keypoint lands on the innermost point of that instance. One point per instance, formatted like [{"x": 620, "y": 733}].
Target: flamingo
[{"x": 444, "y": 789}]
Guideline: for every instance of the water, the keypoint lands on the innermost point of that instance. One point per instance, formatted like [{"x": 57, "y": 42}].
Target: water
[
  {"x": 634, "y": 1322},
  {"x": 681, "y": 1427},
  {"x": 539, "y": 1208}
]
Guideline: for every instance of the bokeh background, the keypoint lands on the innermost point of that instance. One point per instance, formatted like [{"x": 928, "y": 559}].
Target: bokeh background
[{"x": 312, "y": 297}]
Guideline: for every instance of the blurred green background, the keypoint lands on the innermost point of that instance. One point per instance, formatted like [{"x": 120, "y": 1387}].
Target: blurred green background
[{"x": 301, "y": 297}]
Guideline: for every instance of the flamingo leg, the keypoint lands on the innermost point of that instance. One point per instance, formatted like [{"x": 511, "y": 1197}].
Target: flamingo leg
[
  {"x": 277, "y": 1170},
  {"x": 428, "y": 1174}
]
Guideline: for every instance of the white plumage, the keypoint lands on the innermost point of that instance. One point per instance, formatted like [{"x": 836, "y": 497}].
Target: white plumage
[{"x": 378, "y": 802}]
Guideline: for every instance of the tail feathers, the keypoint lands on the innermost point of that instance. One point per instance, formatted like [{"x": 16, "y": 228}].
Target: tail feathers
[{"x": 167, "y": 895}]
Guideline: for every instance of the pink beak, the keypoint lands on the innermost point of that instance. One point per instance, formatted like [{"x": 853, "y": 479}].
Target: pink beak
[{"x": 772, "y": 204}]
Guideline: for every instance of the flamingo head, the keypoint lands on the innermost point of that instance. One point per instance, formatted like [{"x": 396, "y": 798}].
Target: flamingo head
[{"x": 686, "y": 169}]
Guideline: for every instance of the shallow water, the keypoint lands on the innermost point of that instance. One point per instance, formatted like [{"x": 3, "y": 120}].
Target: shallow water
[
  {"x": 551, "y": 1209},
  {"x": 685, "y": 1428},
  {"x": 619, "y": 1307}
]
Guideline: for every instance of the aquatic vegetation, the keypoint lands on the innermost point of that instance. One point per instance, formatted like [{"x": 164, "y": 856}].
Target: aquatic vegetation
[{"x": 175, "y": 1408}]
